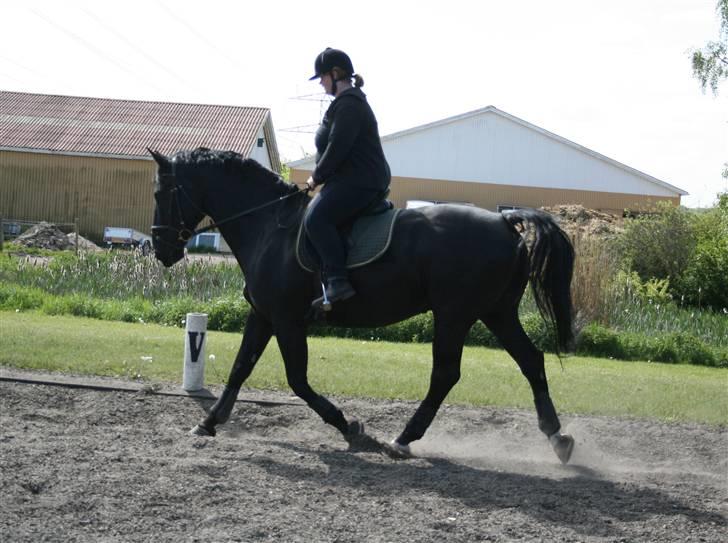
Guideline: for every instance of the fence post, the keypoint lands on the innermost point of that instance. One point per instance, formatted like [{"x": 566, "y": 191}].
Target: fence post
[{"x": 193, "y": 373}]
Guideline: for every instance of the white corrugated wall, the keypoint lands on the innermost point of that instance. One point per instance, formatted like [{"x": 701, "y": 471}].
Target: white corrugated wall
[{"x": 490, "y": 148}]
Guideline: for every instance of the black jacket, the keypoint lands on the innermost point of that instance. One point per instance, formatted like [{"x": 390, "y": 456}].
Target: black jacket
[{"x": 348, "y": 146}]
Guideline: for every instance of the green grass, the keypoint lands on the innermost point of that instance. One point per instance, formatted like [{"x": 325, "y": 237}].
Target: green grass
[{"x": 369, "y": 369}]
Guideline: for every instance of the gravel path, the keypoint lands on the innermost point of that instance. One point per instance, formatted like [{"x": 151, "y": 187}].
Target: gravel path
[{"x": 88, "y": 465}]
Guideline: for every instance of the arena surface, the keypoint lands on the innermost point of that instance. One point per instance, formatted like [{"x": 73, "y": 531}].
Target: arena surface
[{"x": 92, "y": 465}]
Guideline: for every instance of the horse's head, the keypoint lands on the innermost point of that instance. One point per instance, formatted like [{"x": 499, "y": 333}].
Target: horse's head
[{"x": 176, "y": 214}]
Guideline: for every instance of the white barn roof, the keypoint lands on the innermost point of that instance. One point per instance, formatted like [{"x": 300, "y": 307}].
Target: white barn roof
[{"x": 491, "y": 146}]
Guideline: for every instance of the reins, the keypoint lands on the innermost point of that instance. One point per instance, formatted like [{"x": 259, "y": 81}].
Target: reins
[{"x": 242, "y": 213}]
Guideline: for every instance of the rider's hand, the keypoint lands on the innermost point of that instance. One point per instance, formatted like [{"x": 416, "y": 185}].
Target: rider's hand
[{"x": 310, "y": 183}]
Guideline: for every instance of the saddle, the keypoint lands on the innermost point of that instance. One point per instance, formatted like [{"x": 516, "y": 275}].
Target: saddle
[{"x": 367, "y": 238}]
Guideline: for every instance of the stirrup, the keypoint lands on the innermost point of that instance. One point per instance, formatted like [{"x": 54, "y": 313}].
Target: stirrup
[{"x": 325, "y": 302}]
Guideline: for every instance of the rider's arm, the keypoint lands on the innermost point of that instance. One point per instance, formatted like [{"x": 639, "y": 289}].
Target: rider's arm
[{"x": 345, "y": 127}]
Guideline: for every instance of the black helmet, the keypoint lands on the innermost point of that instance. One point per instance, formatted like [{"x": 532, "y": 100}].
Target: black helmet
[{"x": 330, "y": 58}]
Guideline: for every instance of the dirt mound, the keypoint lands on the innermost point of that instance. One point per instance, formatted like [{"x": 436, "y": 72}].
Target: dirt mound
[
  {"x": 44, "y": 236},
  {"x": 83, "y": 243},
  {"x": 579, "y": 220}
]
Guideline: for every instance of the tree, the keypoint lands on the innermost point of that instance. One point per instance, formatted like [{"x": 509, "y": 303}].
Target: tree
[{"x": 710, "y": 64}]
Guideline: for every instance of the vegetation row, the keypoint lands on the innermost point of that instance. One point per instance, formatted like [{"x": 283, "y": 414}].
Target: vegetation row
[{"x": 658, "y": 291}]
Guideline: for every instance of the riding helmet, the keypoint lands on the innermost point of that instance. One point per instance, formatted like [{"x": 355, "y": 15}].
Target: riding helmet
[{"x": 330, "y": 58}]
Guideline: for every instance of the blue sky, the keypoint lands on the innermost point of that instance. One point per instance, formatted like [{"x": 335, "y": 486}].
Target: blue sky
[{"x": 612, "y": 76}]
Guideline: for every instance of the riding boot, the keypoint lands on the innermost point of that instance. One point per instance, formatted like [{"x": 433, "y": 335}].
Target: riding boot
[{"x": 339, "y": 289}]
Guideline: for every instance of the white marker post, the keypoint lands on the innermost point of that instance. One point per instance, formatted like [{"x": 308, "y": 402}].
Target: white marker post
[{"x": 193, "y": 376}]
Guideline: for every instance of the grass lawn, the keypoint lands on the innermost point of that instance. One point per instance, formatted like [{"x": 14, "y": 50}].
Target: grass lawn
[{"x": 368, "y": 369}]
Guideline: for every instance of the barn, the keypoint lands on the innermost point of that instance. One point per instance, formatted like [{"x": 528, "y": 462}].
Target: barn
[
  {"x": 66, "y": 157},
  {"x": 496, "y": 161}
]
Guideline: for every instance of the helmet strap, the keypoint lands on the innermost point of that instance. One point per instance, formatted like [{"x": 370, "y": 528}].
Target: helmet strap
[{"x": 333, "y": 83}]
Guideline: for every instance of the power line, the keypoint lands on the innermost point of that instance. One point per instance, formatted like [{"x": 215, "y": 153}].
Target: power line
[
  {"x": 21, "y": 66},
  {"x": 138, "y": 49},
  {"x": 94, "y": 49},
  {"x": 313, "y": 97},
  {"x": 181, "y": 20},
  {"x": 302, "y": 129},
  {"x": 11, "y": 78}
]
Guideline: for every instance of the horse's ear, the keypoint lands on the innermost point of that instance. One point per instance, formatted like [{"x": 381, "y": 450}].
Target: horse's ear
[{"x": 163, "y": 162}]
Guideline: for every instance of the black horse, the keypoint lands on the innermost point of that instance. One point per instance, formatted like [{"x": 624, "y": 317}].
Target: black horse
[{"x": 460, "y": 262}]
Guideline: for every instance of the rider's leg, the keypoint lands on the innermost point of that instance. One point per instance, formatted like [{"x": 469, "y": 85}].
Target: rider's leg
[{"x": 336, "y": 204}]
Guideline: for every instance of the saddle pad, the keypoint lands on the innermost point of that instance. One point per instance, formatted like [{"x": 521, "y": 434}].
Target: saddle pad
[{"x": 367, "y": 240}]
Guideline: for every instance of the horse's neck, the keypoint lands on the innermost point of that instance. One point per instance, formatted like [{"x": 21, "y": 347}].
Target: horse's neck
[{"x": 244, "y": 235}]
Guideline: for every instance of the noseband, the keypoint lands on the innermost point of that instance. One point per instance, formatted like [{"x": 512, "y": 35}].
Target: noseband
[{"x": 184, "y": 234}]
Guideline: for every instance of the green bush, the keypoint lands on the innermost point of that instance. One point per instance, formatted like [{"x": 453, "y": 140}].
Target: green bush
[
  {"x": 678, "y": 347},
  {"x": 629, "y": 284},
  {"x": 704, "y": 281},
  {"x": 15, "y": 297},
  {"x": 74, "y": 304},
  {"x": 661, "y": 245},
  {"x": 172, "y": 312},
  {"x": 480, "y": 335},
  {"x": 687, "y": 248},
  {"x": 227, "y": 314}
]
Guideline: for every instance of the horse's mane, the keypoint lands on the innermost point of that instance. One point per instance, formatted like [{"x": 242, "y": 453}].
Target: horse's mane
[{"x": 232, "y": 163}]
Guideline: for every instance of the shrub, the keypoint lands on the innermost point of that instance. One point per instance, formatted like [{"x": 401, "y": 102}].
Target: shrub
[
  {"x": 661, "y": 245},
  {"x": 704, "y": 281},
  {"x": 14, "y": 297},
  {"x": 74, "y": 304},
  {"x": 675, "y": 347},
  {"x": 597, "y": 340},
  {"x": 480, "y": 335},
  {"x": 629, "y": 285},
  {"x": 172, "y": 312},
  {"x": 227, "y": 314}
]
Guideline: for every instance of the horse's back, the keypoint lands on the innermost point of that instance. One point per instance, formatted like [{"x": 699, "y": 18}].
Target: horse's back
[{"x": 458, "y": 230}]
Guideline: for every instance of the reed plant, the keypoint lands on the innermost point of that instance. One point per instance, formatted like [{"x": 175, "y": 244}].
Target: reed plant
[{"x": 123, "y": 274}]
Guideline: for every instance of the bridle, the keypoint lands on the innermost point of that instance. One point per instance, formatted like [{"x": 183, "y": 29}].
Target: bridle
[{"x": 184, "y": 233}]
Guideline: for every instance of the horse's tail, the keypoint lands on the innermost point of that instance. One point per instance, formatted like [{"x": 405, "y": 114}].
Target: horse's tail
[{"x": 551, "y": 259}]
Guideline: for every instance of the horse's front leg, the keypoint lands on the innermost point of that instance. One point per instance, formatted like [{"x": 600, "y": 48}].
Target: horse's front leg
[
  {"x": 447, "y": 351},
  {"x": 294, "y": 349},
  {"x": 258, "y": 332}
]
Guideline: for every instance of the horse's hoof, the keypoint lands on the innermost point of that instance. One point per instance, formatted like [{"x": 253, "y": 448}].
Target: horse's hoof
[
  {"x": 563, "y": 445},
  {"x": 355, "y": 428},
  {"x": 397, "y": 450},
  {"x": 202, "y": 431}
]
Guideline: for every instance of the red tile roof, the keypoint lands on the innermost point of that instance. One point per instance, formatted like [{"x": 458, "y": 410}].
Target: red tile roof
[{"x": 99, "y": 126}]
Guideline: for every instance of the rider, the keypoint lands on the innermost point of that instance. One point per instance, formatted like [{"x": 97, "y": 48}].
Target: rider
[{"x": 350, "y": 164}]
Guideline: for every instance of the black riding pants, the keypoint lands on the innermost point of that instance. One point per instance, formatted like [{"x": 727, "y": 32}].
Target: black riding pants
[{"x": 335, "y": 205}]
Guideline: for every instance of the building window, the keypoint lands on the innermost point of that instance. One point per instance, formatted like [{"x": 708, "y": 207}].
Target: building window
[
  {"x": 413, "y": 204},
  {"x": 503, "y": 207},
  {"x": 260, "y": 142}
]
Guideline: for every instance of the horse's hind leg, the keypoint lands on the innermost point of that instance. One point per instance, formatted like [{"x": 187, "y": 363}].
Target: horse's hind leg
[
  {"x": 507, "y": 328},
  {"x": 258, "y": 332},
  {"x": 447, "y": 350}
]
